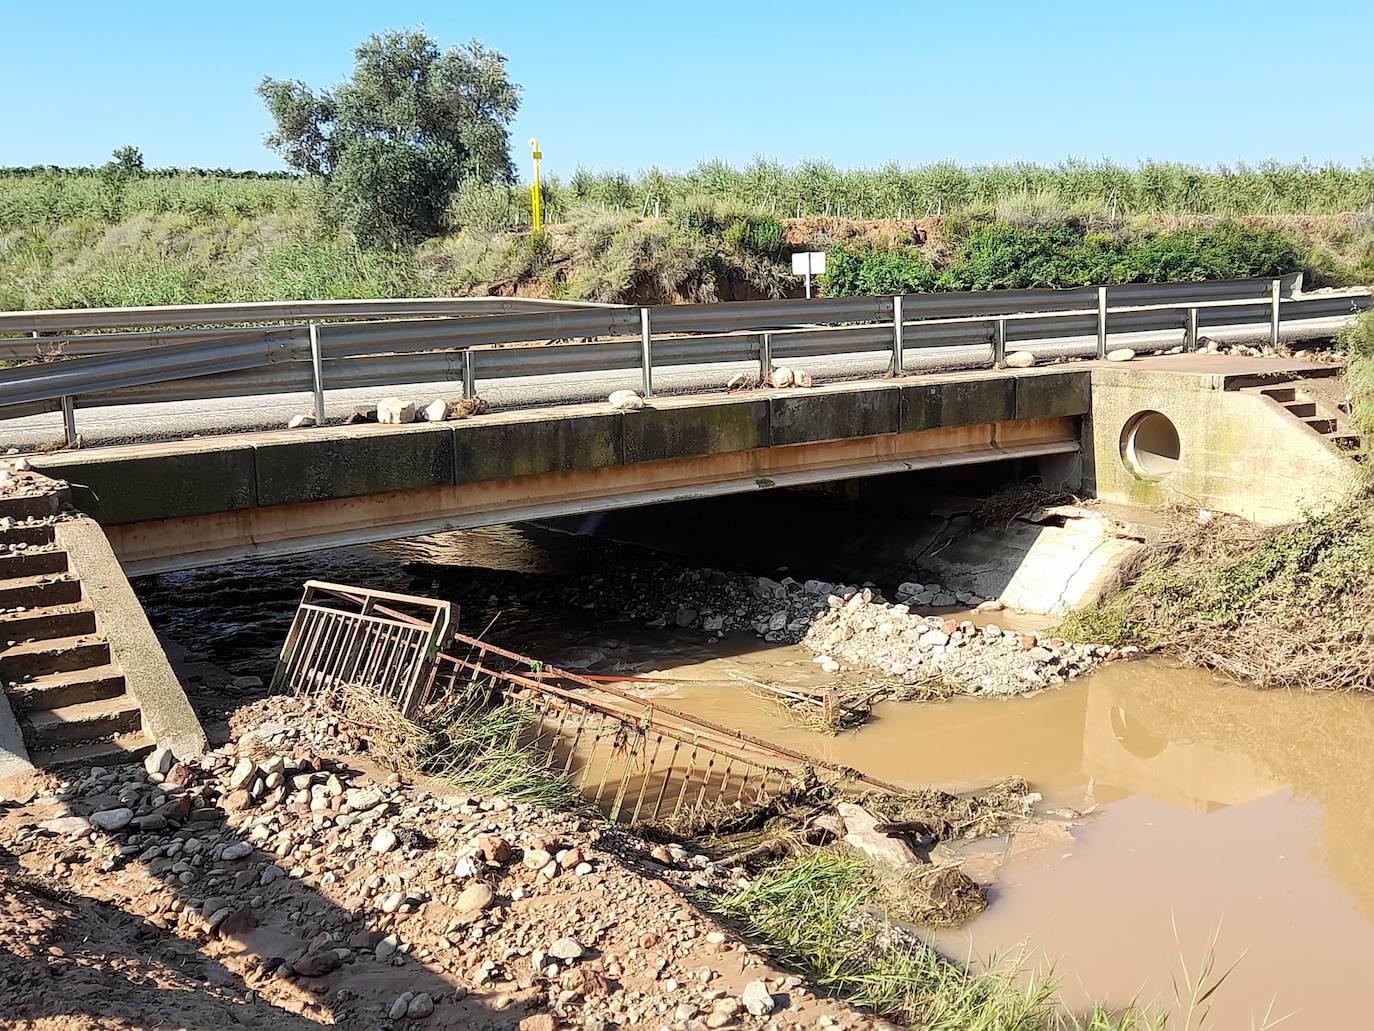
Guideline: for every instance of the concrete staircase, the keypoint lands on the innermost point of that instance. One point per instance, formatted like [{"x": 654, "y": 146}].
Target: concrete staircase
[
  {"x": 1319, "y": 403},
  {"x": 67, "y": 691}
]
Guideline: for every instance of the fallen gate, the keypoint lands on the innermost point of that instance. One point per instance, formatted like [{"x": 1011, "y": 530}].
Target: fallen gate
[
  {"x": 636, "y": 759},
  {"x": 377, "y": 640}
]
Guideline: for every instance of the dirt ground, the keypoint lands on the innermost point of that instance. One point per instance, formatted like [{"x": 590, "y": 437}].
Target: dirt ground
[{"x": 281, "y": 881}]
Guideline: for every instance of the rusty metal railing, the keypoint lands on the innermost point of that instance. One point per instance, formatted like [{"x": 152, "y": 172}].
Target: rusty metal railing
[
  {"x": 637, "y": 760},
  {"x": 354, "y": 636}
]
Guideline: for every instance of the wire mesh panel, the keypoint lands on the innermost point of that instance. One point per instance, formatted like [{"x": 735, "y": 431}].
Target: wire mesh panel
[{"x": 353, "y": 636}]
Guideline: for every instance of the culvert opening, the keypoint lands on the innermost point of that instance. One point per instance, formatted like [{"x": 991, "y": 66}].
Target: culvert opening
[{"x": 1149, "y": 445}]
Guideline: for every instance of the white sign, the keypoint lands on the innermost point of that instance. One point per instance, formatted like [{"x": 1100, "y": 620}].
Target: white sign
[{"x": 808, "y": 263}]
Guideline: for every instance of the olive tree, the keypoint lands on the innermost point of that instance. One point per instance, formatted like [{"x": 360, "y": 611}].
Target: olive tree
[{"x": 395, "y": 140}]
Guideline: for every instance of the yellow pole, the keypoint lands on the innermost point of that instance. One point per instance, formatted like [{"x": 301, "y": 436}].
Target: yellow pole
[{"x": 534, "y": 190}]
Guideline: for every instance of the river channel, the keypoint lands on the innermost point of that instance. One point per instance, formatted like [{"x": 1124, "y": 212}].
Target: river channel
[{"x": 1211, "y": 812}]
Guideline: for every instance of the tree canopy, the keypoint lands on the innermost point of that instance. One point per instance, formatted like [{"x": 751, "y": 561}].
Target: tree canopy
[{"x": 396, "y": 139}]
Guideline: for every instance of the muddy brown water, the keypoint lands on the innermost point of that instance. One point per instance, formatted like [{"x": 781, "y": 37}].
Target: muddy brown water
[{"x": 1212, "y": 811}]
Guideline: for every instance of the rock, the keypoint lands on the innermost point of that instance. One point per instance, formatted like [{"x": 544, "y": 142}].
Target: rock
[
  {"x": 539, "y": 1022},
  {"x": 66, "y": 825},
  {"x": 271, "y": 873},
  {"x": 1121, "y": 354},
  {"x": 393, "y": 411},
  {"x": 160, "y": 761},
  {"x": 112, "y": 819},
  {"x": 300, "y": 422},
  {"x": 934, "y": 639},
  {"x": 494, "y": 849},
  {"x": 384, "y": 840},
  {"x": 386, "y": 948},
  {"x": 537, "y": 858},
  {"x": 475, "y": 897},
  {"x": 860, "y": 835},
  {"x": 317, "y": 963},
  {"x": 686, "y": 616},
  {"x": 801, "y": 378},
  {"x": 781, "y": 377},
  {"x": 420, "y": 1007},
  {"x": 238, "y": 850},
  {"x": 625, "y": 401},
  {"x": 243, "y": 773},
  {"x": 436, "y": 411},
  {"x": 466, "y": 407},
  {"x": 362, "y": 415},
  {"x": 247, "y": 684},
  {"x": 757, "y": 999},
  {"x": 829, "y": 665},
  {"x": 401, "y": 1006},
  {"x": 360, "y": 800},
  {"x": 991, "y": 605},
  {"x": 1019, "y": 360},
  {"x": 566, "y": 949}
]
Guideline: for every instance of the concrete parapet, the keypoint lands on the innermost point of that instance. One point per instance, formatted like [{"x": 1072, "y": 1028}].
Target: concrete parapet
[
  {"x": 535, "y": 444},
  {"x": 291, "y": 466}
]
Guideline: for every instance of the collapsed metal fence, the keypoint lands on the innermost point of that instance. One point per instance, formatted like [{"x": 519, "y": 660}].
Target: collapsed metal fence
[
  {"x": 634, "y": 758},
  {"x": 354, "y": 636}
]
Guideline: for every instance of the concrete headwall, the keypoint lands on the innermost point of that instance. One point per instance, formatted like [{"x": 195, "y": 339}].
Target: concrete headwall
[{"x": 1239, "y": 452}]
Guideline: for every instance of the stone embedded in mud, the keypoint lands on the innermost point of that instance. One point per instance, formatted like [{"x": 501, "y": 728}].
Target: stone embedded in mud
[
  {"x": 757, "y": 999},
  {"x": 384, "y": 840},
  {"x": 566, "y": 949},
  {"x": 112, "y": 819},
  {"x": 317, "y": 963},
  {"x": 862, "y": 836},
  {"x": 477, "y": 896}
]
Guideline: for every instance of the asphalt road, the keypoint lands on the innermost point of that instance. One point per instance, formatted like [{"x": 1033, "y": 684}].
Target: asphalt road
[{"x": 180, "y": 419}]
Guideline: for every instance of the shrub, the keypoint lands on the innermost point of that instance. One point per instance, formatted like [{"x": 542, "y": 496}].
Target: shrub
[{"x": 869, "y": 270}]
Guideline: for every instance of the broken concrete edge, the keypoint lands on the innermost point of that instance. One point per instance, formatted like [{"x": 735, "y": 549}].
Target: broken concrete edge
[
  {"x": 168, "y": 718},
  {"x": 14, "y": 757}
]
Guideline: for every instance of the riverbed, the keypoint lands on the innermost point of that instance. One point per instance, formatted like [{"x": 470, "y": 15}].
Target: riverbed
[{"x": 1206, "y": 811}]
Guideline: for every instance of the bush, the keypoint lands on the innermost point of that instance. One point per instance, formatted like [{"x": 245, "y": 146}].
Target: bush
[{"x": 869, "y": 270}]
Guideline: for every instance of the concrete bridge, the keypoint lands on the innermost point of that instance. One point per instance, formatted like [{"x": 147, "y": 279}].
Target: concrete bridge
[{"x": 1252, "y": 436}]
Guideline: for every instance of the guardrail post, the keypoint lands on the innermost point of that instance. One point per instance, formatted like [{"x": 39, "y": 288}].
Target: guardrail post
[
  {"x": 646, "y": 350},
  {"x": 999, "y": 342},
  {"x": 1190, "y": 331},
  {"x": 317, "y": 370},
  {"x": 1274, "y": 313},
  {"x": 1102, "y": 322},
  {"x": 469, "y": 375},
  {"x": 765, "y": 357},
  {"x": 69, "y": 420},
  {"x": 897, "y": 356}
]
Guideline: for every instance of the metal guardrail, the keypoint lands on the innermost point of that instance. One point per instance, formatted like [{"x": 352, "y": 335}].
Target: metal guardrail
[
  {"x": 67, "y": 319},
  {"x": 365, "y": 354}
]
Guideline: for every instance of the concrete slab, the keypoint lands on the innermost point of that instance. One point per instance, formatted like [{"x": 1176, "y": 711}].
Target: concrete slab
[
  {"x": 351, "y": 462},
  {"x": 534, "y": 446},
  {"x": 684, "y": 431},
  {"x": 803, "y": 417}
]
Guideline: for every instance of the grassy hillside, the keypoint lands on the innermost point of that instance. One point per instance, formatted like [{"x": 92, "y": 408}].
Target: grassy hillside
[{"x": 77, "y": 238}]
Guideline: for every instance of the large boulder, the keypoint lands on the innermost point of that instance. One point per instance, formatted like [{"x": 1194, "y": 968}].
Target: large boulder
[{"x": 860, "y": 834}]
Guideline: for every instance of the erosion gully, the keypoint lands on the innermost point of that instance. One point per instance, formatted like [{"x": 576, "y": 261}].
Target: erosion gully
[{"x": 1209, "y": 809}]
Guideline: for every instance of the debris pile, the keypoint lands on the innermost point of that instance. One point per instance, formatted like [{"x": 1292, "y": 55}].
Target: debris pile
[{"x": 863, "y": 632}]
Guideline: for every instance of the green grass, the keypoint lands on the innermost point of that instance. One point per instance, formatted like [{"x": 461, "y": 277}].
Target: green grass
[{"x": 807, "y": 911}]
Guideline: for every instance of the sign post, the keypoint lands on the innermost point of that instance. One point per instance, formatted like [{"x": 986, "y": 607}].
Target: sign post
[
  {"x": 808, "y": 264},
  {"x": 534, "y": 188}
]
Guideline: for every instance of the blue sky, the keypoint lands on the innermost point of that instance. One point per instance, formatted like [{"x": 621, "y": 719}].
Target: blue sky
[{"x": 627, "y": 86}]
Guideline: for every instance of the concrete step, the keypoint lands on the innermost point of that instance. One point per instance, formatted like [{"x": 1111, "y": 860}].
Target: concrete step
[
  {"x": 30, "y": 659},
  {"x": 70, "y": 687},
  {"x": 47, "y": 622},
  {"x": 100, "y": 720},
  {"x": 32, "y": 562},
  {"x": 122, "y": 750},
  {"x": 1322, "y": 426},
  {"x": 37, "y": 591},
  {"x": 37, "y": 533},
  {"x": 1347, "y": 441},
  {"x": 36, "y": 506},
  {"x": 1302, "y": 409},
  {"x": 1281, "y": 394}
]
